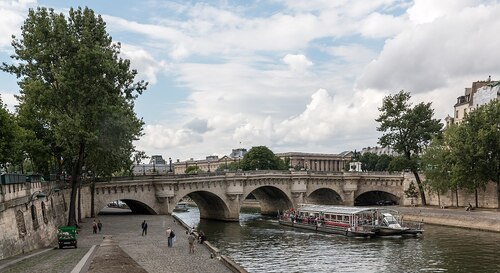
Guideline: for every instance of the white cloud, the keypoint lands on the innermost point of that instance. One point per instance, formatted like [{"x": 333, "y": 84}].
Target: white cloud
[
  {"x": 297, "y": 63},
  {"x": 13, "y": 13},
  {"x": 430, "y": 56},
  {"x": 141, "y": 60},
  {"x": 426, "y": 11},
  {"x": 378, "y": 25},
  {"x": 10, "y": 100}
]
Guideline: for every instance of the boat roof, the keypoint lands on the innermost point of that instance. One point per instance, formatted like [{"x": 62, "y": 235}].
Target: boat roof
[{"x": 335, "y": 209}]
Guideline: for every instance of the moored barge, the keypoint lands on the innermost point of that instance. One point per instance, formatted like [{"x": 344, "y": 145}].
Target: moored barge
[{"x": 350, "y": 221}]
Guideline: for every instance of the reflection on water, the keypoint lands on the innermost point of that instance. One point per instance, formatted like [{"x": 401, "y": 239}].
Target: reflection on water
[{"x": 260, "y": 244}]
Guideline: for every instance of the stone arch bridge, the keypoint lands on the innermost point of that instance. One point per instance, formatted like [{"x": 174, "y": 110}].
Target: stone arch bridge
[{"x": 219, "y": 195}]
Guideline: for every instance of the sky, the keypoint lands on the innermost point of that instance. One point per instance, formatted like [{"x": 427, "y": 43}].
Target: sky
[{"x": 292, "y": 75}]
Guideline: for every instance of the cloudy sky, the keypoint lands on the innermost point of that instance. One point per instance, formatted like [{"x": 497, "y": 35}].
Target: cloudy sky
[{"x": 294, "y": 75}]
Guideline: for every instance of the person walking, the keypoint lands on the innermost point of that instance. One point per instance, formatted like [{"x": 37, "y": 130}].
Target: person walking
[
  {"x": 191, "y": 240},
  {"x": 170, "y": 237},
  {"x": 144, "y": 226},
  {"x": 94, "y": 226},
  {"x": 99, "y": 225}
]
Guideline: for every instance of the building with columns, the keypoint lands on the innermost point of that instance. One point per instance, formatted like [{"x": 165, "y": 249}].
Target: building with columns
[
  {"x": 317, "y": 161},
  {"x": 210, "y": 163}
]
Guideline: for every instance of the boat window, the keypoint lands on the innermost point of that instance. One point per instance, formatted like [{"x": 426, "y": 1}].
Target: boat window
[{"x": 390, "y": 220}]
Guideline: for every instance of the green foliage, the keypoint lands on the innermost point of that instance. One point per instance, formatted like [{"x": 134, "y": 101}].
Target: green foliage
[
  {"x": 192, "y": 170},
  {"x": 10, "y": 138},
  {"x": 437, "y": 165},
  {"x": 411, "y": 192},
  {"x": 407, "y": 130},
  {"x": 475, "y": 148},
  {"x": 77, "y": 91},
  {"x": 261, "y": 158},
  {"x": 374, "y": 162}
]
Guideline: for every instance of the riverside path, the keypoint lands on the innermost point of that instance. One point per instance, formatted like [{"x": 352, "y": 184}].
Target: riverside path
[{"x": 150, "y": 252}]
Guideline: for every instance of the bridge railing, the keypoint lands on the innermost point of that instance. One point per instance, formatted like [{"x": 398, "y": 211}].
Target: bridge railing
[{"x": 170, "y": 176}]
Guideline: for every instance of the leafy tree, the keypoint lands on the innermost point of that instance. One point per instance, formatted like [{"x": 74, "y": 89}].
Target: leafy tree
[
  {"x": 75, "y": 84},
  {"x": 261, "y": 158},
  {"x": 437, "y": 165},
  {"x": 192, "y": 170},
  {"x": 10, "y": 136},
  {"x": 476, "y": 149},
  {"x": 383, "y": 162},
  {"x": 368, "y": 161},
  {"x": 408, "y": 130}
]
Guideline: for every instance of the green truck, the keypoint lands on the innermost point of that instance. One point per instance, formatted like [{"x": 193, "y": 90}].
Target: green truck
[{"x": 66, "y": 236}]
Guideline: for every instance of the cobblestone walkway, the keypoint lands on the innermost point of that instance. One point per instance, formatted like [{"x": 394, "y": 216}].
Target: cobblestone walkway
[{"x": 150, "y": 252}]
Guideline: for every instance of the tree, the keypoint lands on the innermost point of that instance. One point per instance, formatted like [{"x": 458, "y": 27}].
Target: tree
[
  {"x": 10, "y": 138},
  {"x": 75, "y": 84},
  {"x": 192, "y": 170},
  {"x": 407, "y": 130},
  {"x": 476, "y": 148},
  {"x": 261, "y": 158},
  {"x": 437, "y": 165}
]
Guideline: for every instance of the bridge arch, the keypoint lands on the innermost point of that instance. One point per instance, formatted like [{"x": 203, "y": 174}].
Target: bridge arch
[
  {"x": 372, "y": 197},
  {"x": 272, "y": 198},
  {"x": 211, "y": 206},
  {"x": 138, "y": 205},
  {"x": 324, "y": 196}
]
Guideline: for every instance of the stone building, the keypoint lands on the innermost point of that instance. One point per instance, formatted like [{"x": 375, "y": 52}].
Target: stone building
[
  {"x": 479, "y": 94},
  {"x": 210, "y": 163},
  {"x": 317, "y": 161}
]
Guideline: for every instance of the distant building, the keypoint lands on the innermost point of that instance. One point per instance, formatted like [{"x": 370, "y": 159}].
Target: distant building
[
  {"x": 481, "y": 92},
  {"x": 238, "y": 153},
  {"x": 317, "y": 161},
  {"x": 157, "y": 159}
]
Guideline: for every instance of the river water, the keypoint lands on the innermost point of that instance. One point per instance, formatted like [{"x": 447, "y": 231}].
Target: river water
[{"x": 260, "y": 244}]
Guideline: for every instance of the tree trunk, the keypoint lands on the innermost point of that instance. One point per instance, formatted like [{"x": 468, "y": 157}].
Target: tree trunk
[
  {"x": 92, "y": 192},
  {"x": 75, "y": 178},
  {"x": 420, "y": 188},
  {"x": 79, "y": 200},
  {"x": 477, "y": 201}
]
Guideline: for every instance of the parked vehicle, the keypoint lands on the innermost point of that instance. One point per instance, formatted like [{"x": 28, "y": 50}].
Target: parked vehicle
[{"x": 66, "y": 235}]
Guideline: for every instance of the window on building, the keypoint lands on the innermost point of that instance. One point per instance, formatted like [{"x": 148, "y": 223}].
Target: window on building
[
  {"x": 44, "y": 214},
  {"x": 34, "y": 217},
  {"x": 21, "y": 225}
]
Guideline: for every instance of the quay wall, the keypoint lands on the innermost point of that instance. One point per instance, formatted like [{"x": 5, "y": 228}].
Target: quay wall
[
  {"x": 29, "y": 221},
  {"x": 480, "y": 219},
  {"x": 233, "y": 266},
  {"x": 487, "y": 198}
]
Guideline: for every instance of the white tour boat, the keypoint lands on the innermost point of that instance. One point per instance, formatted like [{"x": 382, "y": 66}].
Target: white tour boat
[{"x": 349, "y": 221}]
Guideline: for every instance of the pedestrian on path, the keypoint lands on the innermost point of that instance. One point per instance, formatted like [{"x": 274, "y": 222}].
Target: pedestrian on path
[
  {"x": 99, "y": 225},
  {"x": 191, "y": 240},
  {"x": 170, "y": 237},
  {"x": 94, "y": 226},
  {"x": 144, "y": 226}
]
